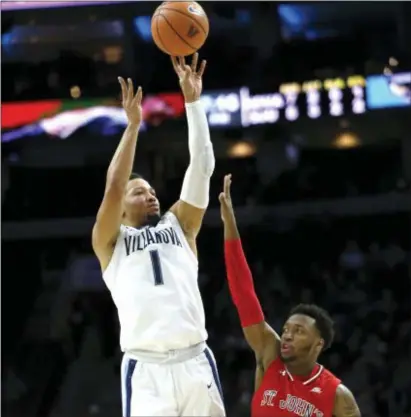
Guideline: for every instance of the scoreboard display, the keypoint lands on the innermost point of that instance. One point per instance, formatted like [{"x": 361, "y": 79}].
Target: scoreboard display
[{"x": 311, "y": 99}]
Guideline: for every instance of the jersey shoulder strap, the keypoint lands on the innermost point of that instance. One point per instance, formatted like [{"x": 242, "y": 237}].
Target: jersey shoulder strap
[{"x": 330, "y": 379}]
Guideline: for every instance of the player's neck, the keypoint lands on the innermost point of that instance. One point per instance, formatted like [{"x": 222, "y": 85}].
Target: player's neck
[
  {"x": 302, "y": 370},
  {"x": 151, "y": 220},
  {"x": 130, "y": 223}
]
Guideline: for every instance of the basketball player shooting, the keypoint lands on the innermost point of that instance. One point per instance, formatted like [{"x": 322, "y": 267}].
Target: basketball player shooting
[
  {"x": 150, "y": 266},
  {"x": 289, "y": 382}
]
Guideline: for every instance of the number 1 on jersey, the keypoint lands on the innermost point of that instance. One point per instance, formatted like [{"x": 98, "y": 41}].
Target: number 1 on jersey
[{"x": 157, "y": 271}]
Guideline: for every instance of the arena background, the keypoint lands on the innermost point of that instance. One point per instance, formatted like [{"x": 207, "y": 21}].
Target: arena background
[{"x": 310, "y": 110}]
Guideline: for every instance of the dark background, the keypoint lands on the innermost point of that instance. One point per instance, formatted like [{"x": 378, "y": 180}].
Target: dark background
[{"x": 322, "y": 196}]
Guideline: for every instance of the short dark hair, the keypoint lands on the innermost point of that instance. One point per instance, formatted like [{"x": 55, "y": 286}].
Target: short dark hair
[
  {"x": 323, "y": 321},
  {"x": 135, "y": 176}
]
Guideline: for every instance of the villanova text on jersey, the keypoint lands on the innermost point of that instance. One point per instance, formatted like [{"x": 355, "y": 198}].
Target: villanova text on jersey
[
  {"x": 153, "y": 279},
  {"x": 149, "y": 236}
]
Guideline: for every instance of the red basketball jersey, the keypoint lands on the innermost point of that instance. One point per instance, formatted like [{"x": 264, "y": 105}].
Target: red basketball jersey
[{"x": 284, "y": 395}]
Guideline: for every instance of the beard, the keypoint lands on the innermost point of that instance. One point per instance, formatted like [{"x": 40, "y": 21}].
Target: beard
[
  {"x": 287, "y": 359},
  {"x": 302, "y": 353}
]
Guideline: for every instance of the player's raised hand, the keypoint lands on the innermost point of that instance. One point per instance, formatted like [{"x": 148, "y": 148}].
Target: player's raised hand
[
  {"x": 131, "y": 102},
  {"x": 190, "y": 76},
  {"x": 227, "y": 212}
]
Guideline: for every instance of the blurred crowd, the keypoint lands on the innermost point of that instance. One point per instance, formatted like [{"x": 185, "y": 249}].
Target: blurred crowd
[
  {"x": 357, "y": 268},
  {"x": 98, "y": 78},
  {"x": 247, "y": 43},
  {"x": 319, "y": 174}
]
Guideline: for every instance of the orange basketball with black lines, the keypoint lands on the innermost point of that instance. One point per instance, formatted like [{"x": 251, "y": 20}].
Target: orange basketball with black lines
[{"x": 179, "y": 28}]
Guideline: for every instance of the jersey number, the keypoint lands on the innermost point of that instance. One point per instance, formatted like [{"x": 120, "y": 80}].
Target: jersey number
[{"x": 157, "y": 271}]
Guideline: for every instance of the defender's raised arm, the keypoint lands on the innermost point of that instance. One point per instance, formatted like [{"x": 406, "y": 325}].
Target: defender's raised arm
[
  {"x": 107, "y": 225},
  {"x": 260, "y": 336},
  {"x": 194, "y": 196}
]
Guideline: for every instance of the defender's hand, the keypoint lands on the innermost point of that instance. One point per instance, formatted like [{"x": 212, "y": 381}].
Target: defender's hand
[
  {"x": 227, "y": 212},
  {"x": 190, "y": 77},
  {"x": 131, "y": 102}
]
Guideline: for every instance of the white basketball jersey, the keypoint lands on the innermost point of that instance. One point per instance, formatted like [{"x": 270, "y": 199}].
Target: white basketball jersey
[{"x": 153, "y": 279}]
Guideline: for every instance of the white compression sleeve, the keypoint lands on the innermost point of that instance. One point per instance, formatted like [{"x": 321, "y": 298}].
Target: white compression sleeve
[{"x": 196, "y": 184}]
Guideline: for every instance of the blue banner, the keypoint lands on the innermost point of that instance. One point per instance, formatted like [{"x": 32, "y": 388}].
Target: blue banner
[{"x": 390, "y": 91}]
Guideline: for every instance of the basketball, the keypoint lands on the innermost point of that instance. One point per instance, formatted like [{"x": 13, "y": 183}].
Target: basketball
[{"x": 179, "y": 28}]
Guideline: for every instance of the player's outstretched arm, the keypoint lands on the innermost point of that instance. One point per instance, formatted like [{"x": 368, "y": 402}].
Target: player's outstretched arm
[
  {"x": 345, "y": 404},
  {"x": 194, "y": 196},
  {"x": 107, "y": 225},
  {"x": 260, "y": 336}
]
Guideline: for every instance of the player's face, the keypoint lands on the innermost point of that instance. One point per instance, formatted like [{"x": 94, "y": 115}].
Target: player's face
[
  {"x": 300, "y": 339},
  {"x": 140, "y": 200}
]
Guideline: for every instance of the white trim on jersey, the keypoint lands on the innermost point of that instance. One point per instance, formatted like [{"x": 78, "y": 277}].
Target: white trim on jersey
[
  {"x": 315, "y": 376},
  {"x": 320, "y": 370}
]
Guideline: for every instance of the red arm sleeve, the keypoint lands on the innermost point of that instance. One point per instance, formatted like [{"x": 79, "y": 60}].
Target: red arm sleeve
[{"x": 240, "y": 282}]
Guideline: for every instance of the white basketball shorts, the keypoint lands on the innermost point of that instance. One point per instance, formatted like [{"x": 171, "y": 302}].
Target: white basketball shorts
[{"x": 178, "y": 383}]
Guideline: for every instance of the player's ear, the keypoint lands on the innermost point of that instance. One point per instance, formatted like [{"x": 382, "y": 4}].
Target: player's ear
[{"x": 320, "y": 346}]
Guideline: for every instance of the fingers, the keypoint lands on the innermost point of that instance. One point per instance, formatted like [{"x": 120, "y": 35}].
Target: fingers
[
  {"x": 227, "y": 185},
  {"x": 123, "y": 89},
  {"x": 194, "y": 62},
  {"x": 130, "y": 90},
  {"x": 127, "y": 89},
  {"x": 182, "y": 61},
  {"x": 180, "y": 67},
  {"x": 138, "y": 97},
  {"x": 127, "y": 92},
  {"x": 203, "y": 65},
  {"x": 180, "y": 64},
  {"x": 187, "y": 72},
  {"x": 175, "y": 63}
]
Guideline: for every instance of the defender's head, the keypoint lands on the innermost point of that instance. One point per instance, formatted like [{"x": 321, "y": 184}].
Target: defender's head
[
  {"x": 141, "y": 206},
  {"x": 308, "y": 331}
]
